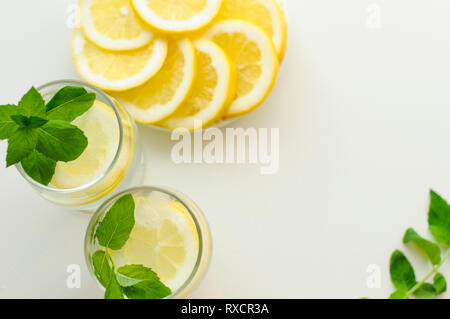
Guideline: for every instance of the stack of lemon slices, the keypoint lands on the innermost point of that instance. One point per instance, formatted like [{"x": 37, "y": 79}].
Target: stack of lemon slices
[{"x": 181, "y": 64}]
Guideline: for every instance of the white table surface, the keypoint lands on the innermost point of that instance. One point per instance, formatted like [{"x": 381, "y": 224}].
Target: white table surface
[{"x": 363, "y": 115}]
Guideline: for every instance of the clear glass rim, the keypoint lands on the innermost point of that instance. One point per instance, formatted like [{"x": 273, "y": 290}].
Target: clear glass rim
[
  {"x": 202, "y": 234},
  {"x": 116, "y": 157}
]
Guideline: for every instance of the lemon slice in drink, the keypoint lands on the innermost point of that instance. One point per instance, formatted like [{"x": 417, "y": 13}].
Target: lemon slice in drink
[
  {"x": 164, "y": 239},
  {"x": 254, "y": 57},
  {"x": 113, "y": 25},
  {"x": 266, "y": 14},
  {"x": 159, "y": 97},
  {"x": 117, "y": 71},
  {"x": 101, "y": 127},
  {"x": 177, "y": 16},
  {"x": 214, "y": 89}
]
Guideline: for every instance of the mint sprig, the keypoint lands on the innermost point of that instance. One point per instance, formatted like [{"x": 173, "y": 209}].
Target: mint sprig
[
  {"x": 40, "y": 135},
  {"x": 69, "y": 103},
  {"x": 133, "y": 281},
  {"x": 104, "y": 271},
  {"x": 401, "y": 270},
  {"x": 39, "y": 167},
  {"x": 115, "y": 228},
  {"x": 139, "y": 282}
]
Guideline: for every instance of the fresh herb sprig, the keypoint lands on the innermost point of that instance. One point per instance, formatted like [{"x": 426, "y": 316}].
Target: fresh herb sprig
[
  {"x": 40, "y": 135},
  {"x": 133, "y": 281},
  {"x": 401, "y": 270}
]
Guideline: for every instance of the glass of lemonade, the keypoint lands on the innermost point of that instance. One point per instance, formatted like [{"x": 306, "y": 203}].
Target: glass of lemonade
[
  {"x": 170, "y": 236},
  {"x": 112, "y": 162}
]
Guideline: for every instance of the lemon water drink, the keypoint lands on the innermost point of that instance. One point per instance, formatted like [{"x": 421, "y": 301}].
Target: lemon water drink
[
  {"x": 111, "y": 162},
  {"x": 170, "y": 236}
]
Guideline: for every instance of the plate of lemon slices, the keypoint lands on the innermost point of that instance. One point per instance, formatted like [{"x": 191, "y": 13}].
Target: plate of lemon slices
[{"x": 175, "y": 64}]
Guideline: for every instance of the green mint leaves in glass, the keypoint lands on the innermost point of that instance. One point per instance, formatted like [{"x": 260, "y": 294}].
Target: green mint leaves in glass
[
  {"x": 132, "y": 281},
  {"x": 40, "y": 135},
  {"x": 148, "y": 241}
]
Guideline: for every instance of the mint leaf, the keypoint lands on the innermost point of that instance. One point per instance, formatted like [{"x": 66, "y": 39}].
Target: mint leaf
[
  {"x": 20, "y": 120},
  {"x": 7, "y": 125},
  {"x": 439, "y": 219},
  {"x": 21, "y": 143},
  {"x": 103, "y": 267},
  {"x": 402, "y": 273},
  {"x": 130, "y": 275},
  {"x": 69, "y": 103},
  {"x": 65, "y": 95},
  {"x": 139, "y": 282},
  {"x": 104, "y": 271},
  {"x": 147, "y": 290},
  {"x": 115, "y": 228},
  {"x": 432, "y": 250},
  {"x": 113, "y": 291},
  {"x": 427, "y": 291},
  {"x": 398, "y": 294},
  {"x": 61, "y": 141},
  {"x": 32, "y": 121},
  {"x": 440, "y": 284},
  {"x": 36, "y": 122},
  {"x": 32, "y": 104},
  {"x": 39, "y": 167}
]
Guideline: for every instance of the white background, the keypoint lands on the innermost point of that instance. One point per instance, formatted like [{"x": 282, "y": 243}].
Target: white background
[{"x": 364, "y": 121}]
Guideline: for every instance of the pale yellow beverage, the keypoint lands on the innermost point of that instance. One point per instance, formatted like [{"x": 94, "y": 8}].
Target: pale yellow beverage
[
  {"x": 111, "y": 162},
  {"x": 101, "y": 127},
  {"x": 170, "y": 236}
]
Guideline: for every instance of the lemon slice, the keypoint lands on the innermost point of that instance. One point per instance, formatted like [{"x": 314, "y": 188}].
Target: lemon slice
[
  {"x": 214, "y": 89},
  {"x": 101, "y": 127},
  {"x": 117, "y": 71},
  {"x": 164, "y": 238},
  {"x": 113, "y": 25},
  {"x": 159, "y": 97},
  {"x": 176, "y": 15},
  {"x": 254, "y": 57},
  {"x": 266, "y": 14}
]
